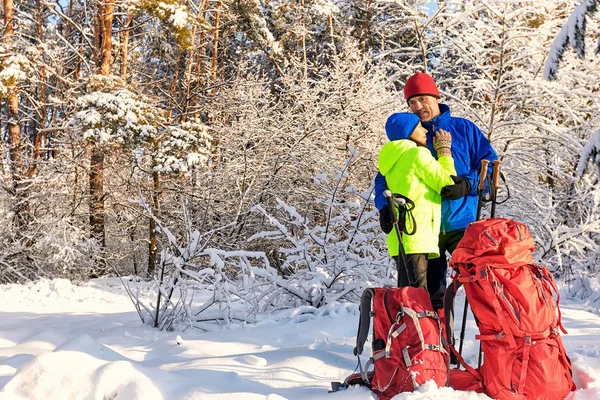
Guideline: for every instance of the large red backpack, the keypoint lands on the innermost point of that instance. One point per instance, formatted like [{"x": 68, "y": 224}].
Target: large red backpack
[
  {"x": 406, "y": 341},
  {"x": 513, "y": 301}
]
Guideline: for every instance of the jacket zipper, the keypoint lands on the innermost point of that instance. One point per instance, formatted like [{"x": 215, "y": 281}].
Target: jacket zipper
[{"x": 432, "y": 135}]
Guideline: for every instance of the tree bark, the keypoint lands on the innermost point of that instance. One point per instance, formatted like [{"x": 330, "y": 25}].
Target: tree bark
[
  {"x": 152, "y": 243},
  {"x": 125, "y": 46},
  {"x": 216, "y": 47},
  {"x": 103, "y": 41},
  {"x": 15, "y": 151},
  {"x": 40, "y": 135}
]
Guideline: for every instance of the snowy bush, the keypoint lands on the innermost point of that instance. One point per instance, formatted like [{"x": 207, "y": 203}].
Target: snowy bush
[
  {"x": 319, "y": 264},
  {"x": 337, "y": 259}
]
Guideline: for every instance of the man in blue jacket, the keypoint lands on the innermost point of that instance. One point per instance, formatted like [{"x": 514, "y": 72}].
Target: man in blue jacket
[{"x": 459, "y": 203}]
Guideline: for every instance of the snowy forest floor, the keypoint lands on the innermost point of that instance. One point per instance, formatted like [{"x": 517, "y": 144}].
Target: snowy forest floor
[{"x": 64, "y": 341}]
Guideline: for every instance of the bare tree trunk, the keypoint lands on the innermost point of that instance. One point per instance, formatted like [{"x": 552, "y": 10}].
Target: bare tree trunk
[
  {"x": 97, "y": 195},
  {"x": 106, "y": 18},
  {"x": 125, "y": 45},
  {"x": 103, "y": 42},
  {"x": 152, "y": 243},
  {"x": 304, "y": 60},
  {"x": 365, "y": 32},
  {"x": 40, "y": 135},
  {"x": 188, "y": 75},
  {"x": 216, "y": 47},
  {"x": 331, "y": 33},
  {"x": 13, "y": 128}
]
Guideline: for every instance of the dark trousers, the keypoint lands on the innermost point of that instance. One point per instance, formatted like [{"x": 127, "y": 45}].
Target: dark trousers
[
  {"x": 430, "y": 274},
  {"x": 416, "y": 264},
  {"x": 437, "y": 267}
]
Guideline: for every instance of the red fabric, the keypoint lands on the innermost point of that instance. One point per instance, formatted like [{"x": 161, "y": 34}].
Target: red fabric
[
  {"x": 464, "y": 380},
  {"x": 420, "y": 84},
  {"x": 440, "y": 313},
  {"x": 513, "y": 300},
  {"x": 392, "y": 375}
]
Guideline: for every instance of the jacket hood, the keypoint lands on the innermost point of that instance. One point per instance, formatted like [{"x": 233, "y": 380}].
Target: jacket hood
[{"x": 391, "y": 153}]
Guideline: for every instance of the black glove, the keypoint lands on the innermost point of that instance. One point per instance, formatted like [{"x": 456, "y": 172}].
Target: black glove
[
  {"x": 461, "y": 188},
  {"x": 385, "y": 220}
]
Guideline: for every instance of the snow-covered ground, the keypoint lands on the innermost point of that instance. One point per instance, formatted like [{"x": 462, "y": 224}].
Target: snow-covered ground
[{"x": 63, "y": 341}]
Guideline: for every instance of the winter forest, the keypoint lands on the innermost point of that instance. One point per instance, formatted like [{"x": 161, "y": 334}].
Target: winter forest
[{"x": 231, "y": 145}]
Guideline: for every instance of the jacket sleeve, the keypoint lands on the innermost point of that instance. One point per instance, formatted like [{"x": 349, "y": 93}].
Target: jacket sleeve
[
  {"x": 481, "y": 149},
  {"x": 380, "y": 187},
  {"x": 434, "y": 173}
]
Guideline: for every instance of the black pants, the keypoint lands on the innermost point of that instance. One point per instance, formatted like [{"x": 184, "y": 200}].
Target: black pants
[
  {"x": 430, "y": 274},
  {"x": 416, "y": 264},
  {"x": 437, "y": 267}
]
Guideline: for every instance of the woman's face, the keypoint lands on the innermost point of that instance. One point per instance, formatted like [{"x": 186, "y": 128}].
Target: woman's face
[{"x": 419, "y": 135}]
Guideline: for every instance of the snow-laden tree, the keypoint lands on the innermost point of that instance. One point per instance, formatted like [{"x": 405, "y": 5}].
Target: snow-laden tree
[
  {"x": 109, "y": 115},
  {"x": 573, "y": 35},
  {"x": 273, "y": 143}
]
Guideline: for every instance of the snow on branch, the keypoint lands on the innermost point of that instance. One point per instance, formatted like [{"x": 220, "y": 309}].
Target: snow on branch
[
  {"x": 572, "y": 34},
  {"x": 590, "y": 152}
]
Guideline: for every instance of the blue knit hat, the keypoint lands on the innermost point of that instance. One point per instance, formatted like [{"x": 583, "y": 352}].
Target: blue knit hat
[{"x": 401, "y": 125}]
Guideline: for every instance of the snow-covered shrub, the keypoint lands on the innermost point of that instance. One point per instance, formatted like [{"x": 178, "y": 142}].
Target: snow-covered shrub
[
  {"x": 339, "y": 257},
  {"x": 318, "y": 263}
]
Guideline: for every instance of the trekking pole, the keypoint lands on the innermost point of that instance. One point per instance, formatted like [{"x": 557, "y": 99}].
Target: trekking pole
[
  {"x": 401, "y": 260},
  {"x": 480, "y": 189},
  {"x": 495, "y": 185},
  {"x": 493, "y": 193}
]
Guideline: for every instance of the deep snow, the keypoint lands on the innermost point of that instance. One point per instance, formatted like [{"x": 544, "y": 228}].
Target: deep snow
[{"x": 64, "y": 341}]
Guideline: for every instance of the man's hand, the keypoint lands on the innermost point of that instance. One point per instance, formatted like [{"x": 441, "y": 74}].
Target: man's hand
[
  {"x": 385, "y": 220},
  {"x": 461, "y": 188}
]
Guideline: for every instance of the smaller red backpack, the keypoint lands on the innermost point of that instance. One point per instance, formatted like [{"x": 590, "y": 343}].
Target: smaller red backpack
[
  {"x": 518, "y": 317},
  {"x": 407, "y": 347}
]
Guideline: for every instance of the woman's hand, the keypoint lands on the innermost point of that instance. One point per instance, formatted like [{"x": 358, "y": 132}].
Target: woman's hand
[{"x": 442, "y": 143}]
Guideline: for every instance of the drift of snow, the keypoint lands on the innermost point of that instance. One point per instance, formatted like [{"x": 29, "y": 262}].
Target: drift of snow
[{"x": 65, "y": 341}]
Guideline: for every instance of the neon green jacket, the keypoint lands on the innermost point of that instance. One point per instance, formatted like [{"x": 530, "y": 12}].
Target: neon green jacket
[{"x": 411, "y": 170}]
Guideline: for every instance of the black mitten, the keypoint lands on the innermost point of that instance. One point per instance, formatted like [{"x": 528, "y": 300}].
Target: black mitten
[
  {"x": 385, "y": 220},
  {"x": 461, "y": 188}
]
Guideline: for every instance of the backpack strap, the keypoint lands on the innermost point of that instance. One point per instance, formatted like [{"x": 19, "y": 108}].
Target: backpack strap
[
  {"x": 525, "y": 361},
  {"x": 490, "y": 292},
  {"x": 364, "y": 320},
  {"x": 449, "y": 297},
  {"x": 550, "y": 279},
  {"x": 415, "y": 317},
  {"x": 462, "y": 362}
]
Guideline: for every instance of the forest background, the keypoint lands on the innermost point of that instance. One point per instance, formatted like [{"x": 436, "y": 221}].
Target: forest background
[{"x": 231, "y": 145}]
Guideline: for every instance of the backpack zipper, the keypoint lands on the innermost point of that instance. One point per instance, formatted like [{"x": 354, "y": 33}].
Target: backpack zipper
[{"x": 500, "y": 291}]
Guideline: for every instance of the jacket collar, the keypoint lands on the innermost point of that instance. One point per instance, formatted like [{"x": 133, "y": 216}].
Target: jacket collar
[{"x": 441, "y": 121}]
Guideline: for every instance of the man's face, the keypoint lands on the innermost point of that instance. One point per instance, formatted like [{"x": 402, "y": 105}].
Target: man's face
[{"x": 425, "y": 107}]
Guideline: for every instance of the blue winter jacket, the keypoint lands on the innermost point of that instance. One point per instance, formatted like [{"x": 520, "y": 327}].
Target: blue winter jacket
[{"x": 469, "y": 147}]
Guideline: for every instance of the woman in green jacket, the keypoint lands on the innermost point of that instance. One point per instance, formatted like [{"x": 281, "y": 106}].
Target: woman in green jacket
[{"x": 411, "y": 170}]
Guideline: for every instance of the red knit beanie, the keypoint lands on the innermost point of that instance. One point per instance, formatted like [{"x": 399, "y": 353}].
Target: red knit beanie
[{"x": 420, "y": 84}]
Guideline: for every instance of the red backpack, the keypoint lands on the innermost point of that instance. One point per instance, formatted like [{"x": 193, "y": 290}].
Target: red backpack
[
  {"x": 407, "y": 348},
  {"x": 513, "y": 301}
]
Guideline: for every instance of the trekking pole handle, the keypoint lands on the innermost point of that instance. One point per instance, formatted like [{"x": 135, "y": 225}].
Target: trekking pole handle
[
  {"x": 483, "y": 174},
  {"x": 496, "y": 173},
  {"x": 390, "y": 201}
]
